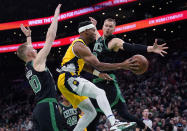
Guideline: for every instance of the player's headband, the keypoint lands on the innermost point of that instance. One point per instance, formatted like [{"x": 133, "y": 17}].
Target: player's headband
[{"x": 86, "y": 27}]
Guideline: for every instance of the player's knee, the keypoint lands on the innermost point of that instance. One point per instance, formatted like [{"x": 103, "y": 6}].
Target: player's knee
[
  {"x": 93, "y": 114},
  {"x": 102, "y": 92}
]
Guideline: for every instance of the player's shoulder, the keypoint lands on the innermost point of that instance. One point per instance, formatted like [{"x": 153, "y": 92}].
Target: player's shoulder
[
  {"x": 109, "y": 38},
  {"x": 78, "y": 41}
]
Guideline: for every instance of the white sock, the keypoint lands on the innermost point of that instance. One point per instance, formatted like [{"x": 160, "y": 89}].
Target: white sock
[{"x": 112, "y": 119}]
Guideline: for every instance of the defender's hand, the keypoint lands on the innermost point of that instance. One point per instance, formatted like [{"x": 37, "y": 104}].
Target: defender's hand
[
  {"x": 57, "y": 11},
  {"x": 105, "y": 76},
  {"x": 94, "y": 21},
  {"x": 159, "y": 49},
  {"x": 26, "y": 31}
]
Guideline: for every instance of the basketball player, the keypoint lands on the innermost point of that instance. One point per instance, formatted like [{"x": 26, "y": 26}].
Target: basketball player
[
  {"x": 46, "y": 115},
  {"x": 70, "y": 115},
  {"x": 77, "y": 89},
  {"x": 106, "y": 49}
]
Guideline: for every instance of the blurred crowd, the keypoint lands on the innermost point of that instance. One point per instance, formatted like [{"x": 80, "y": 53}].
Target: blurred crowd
[
  {"x": 16, "y": 105},
  {"x": 157, "y": 97}
]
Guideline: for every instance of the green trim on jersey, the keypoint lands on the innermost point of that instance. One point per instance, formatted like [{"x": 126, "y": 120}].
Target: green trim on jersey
[
  {"x": 48, "y": 100},
  {"x": 52, "y": 111},
  {"x": 118, "y": 96}
]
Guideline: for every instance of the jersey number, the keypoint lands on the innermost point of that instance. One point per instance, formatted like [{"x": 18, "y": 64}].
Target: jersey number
[
  {"x": 98, "y": 47},
  {"x": 72, "y": 120},
  {"x": 35, "y": 84}
]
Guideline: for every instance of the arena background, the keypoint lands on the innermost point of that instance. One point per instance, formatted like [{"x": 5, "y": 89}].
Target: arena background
[{"x": 162, "y": 86}]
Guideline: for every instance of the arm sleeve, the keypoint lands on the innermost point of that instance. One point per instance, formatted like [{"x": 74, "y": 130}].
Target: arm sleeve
[{"x": 135, "y": 48}]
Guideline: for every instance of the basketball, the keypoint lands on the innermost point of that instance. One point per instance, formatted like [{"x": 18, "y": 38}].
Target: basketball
[{"x": 143, "y": 64}]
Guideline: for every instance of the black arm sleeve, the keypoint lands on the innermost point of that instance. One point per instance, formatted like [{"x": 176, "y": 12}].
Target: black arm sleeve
[{"x": 135, "y": 48}]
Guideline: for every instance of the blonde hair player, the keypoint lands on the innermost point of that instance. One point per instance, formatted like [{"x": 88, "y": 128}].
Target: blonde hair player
[
  {"x": 106, "y": 49},
  {"x": 46, "y": 115}
]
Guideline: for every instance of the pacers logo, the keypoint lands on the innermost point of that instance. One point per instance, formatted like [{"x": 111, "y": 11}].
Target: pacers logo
[{"x": 75, "y": 82}]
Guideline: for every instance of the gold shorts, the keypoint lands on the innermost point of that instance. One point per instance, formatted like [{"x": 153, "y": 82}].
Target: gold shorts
[{"x": 67, "y": 91}]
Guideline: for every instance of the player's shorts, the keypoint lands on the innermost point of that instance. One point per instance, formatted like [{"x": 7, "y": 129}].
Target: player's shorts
[
  {"x": 46, "y": 116},
  {"x": 111, "y": 89},
  {"x": 70, "y": 86}
]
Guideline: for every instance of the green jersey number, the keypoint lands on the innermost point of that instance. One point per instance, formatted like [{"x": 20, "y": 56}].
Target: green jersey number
[
  {"x": 98, "y": 46},
  {"x": 35, "y": 84},
  {"x": 72, "y": 120}
]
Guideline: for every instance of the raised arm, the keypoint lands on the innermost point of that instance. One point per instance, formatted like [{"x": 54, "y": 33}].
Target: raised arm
[
  {"x": 27, "y": 32},
  {"x": 117, "y": 43},
  {"x": 94, "y": 22},
  {"x": 40, "y": 60},
  {"x": 85, "y": 53}
]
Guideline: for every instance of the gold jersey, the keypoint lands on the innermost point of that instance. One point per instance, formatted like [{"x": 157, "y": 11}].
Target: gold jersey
[
  {"x": 71, "y": 67},
  {"x": 71, "y": 62}
]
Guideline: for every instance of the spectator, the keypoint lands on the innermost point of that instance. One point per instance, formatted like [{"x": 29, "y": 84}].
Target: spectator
[{"x": 145, "y": 117}]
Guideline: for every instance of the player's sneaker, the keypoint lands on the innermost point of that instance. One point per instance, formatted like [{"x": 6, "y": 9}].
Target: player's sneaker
[{"x": 123, "y": 125}]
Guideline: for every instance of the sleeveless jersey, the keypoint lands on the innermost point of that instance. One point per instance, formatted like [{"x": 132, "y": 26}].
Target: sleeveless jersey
[
  {"x": 71, "y": 66},
  {"x": 104, "y": 54},
  {"x": 71, "y": 62},
  {"x": 42, "y": 83},
  {"x": 70, "y": 116}
]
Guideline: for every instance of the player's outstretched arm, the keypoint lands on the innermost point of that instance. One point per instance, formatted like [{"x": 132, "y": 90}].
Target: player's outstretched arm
[
  {"x": 84, "y": 52},
  {"x": 27, "y": 32},
  {"x": 94, "y": 22},
  {"x": 50, "y": 37},
  {"x": 116, "y": 43}
]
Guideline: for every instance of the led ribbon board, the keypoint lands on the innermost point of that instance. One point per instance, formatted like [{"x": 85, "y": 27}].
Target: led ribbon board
[
  {"x": 169, "y": 18},
  {"x": 64, "y": 16}
]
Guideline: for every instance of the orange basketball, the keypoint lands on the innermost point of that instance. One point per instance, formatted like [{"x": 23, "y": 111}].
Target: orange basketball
[{"x": 143, "y": 64}]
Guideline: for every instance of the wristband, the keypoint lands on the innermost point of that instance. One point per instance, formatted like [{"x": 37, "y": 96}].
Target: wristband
[{"x": 96, "y": 72}]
